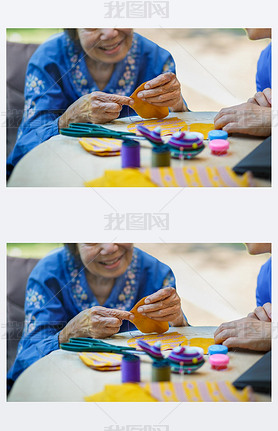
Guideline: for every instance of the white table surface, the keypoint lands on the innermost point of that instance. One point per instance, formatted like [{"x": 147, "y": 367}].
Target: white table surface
[
  {"x": 62, "y": 376},
  {"x": 62, "y": 162}
]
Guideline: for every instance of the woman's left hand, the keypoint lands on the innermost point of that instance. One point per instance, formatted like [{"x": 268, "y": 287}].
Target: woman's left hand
[
  {"x": 164, "y": 306},
  {"x": 164, "y": 90},
  {"x": 247, "y": 118},
  {"x": 246, "y": 333}
]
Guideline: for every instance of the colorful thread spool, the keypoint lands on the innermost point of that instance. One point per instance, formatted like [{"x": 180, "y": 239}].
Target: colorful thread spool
[
  {"x": 153, "y": 351},
  {"x": 153, "y": 136},
  {"x": 161, "y": 157},
  {"x": 161, "y": 371},
  {"x": 217, "y": 134},
  {"x": 219, "y": 361},
  {"x": 214, "y": 349},
  {"x": 130, "y": 368},
  {"x": 130, "y": 153},
  {"x": 219, "y": 147}
]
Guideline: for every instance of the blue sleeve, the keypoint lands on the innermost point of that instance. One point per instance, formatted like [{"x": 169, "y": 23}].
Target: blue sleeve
[
  {"x": 263, "y": 76},
  {"x": 263, "y": 291},
  {"x": 44, "y": 318},
  {"x": 43, "y": 90}
]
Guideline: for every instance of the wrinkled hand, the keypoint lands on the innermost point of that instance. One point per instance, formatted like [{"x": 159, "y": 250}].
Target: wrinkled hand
[
  {"x": 95, "y": 322},
  {"x": 262, "y": 313},
  {"x": 246, "y": 333},
  {"x": 164, "y": 90},
  {"x": 96, "y": 107},
  {"x": 247, "y": 118},
  {"x": 262, "y": 98},
  {"x": 164, "y": 306}
]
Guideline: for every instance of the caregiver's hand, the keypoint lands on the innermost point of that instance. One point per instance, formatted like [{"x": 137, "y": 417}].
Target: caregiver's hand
[
  {"x": 262, "y": 313},
  {"x": 164, "y": 306},
  {"x": 164, "y": 90},
  {"x": 95, "y": 322},
  {"x": 246, "y": 333},
  {"x": 96, "y": 107},
  {"x": 247, "y": 118},
  {"x": 262, "y": 98}
]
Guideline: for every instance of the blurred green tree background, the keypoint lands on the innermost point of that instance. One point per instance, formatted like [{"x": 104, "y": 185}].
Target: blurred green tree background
[
  {"x": 30, "y": 35},
  {"x": 36, "y": 250}
]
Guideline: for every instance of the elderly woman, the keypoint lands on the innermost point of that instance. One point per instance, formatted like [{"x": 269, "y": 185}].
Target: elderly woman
[
  {"x": 87, "y": 290},
  {"x": 87, "y": 75}
]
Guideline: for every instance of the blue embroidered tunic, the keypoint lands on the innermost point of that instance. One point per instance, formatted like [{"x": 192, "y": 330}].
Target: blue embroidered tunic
[
  {"x": 57, "y": 290},
  {"x": 57, "y": 75}
]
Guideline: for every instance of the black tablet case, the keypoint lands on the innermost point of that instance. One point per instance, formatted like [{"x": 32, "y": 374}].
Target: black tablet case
[
  {"x": 258, "y": 161},
  {"x": 258, "y": 376}
]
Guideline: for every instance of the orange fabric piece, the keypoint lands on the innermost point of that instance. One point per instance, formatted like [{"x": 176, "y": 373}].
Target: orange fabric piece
[
  {"x": 103, "y": 147},
  {"x": 144, "y": 323},
  {"x": 102, "y": 361},
  {"x": 200, "y": 342},
  {"x": 186, "y": 391},
  {"x": 168, "y": 125},
  {"x": 145, "y": 109},
  {"x": 203, "y": 128},
  {"x": 168, "y": 341}
]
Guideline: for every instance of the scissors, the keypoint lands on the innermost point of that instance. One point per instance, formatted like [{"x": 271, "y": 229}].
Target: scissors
[
  {"x": 80, "y": 344},
  {"x": 93, "y": 130}
]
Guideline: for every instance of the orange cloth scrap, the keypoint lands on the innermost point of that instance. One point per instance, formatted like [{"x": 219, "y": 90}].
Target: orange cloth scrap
[
  {"x": 144, "y": 323},
  {"x": 187, "y": 391},
  {"x": 168, "y": 125},
  {"x": 193, "y": 176},
  {"x": 127, "y": 177},
  {"x": 145, "y": 109},
  {"x": 103, "y": 147},
  {"x": 101, "y": 361},
  {"x": 203, "y": 128},
  {"x": 199, "y": 342},
  {"x": 168, "y": 341}
]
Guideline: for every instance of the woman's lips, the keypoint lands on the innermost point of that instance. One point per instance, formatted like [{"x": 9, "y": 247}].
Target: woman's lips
[
  {"x": 111, "y": 49},
  {"x": 113, "y": 263}
]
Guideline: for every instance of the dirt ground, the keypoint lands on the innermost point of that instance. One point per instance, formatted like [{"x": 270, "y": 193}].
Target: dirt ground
[
  {"x": 216, "y": 68},
  {"x": 216, "y": 282}
]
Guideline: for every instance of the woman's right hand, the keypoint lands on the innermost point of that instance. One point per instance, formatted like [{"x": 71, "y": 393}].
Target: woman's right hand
[
  {"x": 247, "y": 333},
  {"x": 95, "y": 322},
  {"x": 96, "y": 107}
]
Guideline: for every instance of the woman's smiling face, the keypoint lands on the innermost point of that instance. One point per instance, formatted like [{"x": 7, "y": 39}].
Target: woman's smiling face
[
  {"x": 107, "y": 45},
  {"x": 108, "y": 260}
]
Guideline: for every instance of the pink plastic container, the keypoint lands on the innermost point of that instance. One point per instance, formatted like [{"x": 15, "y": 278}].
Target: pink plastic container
[
  {"x": 219, "y": 146},
  {"x": 219, "y": 361}
]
